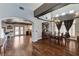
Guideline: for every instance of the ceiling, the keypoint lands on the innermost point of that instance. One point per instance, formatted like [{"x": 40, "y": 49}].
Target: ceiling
[
  {"x": 24, "y": 10},
  {"x": 16, "y": 21},
  {"x": 34, "y": 6},
  {"x": 31, "y": 6},
  {"x": 48, "y": 7},
  {"x": 63, "y": 13}
]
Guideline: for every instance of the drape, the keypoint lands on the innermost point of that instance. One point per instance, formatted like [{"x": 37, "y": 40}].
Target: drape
[
  {"x": 58, "y": 24},
  {"x": 68, "y": 24}
]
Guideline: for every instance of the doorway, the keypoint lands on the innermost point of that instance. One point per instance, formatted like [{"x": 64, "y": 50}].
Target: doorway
[
  {"x": 18, "y": 30},
  {"x": 19, "y": 41}
]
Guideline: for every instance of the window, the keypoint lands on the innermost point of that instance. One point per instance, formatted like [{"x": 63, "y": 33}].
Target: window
[
  {"x": 56, "y": 30},
  {"x": 16, "y": 30},
  {"x": 21, "y": 30},
  {"x": 72, "y": 30},
  {"x": 63, "y": 29}
]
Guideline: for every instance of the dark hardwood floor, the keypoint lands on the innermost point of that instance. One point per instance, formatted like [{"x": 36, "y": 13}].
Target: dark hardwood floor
[
  {"x": 45, "y": 48},
  {"x": 23, "y": 46},
  {"x": 19, "y": 46}
]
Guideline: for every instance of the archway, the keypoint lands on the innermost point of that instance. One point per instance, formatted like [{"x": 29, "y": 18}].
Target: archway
[{"x": 17, "y": 42}]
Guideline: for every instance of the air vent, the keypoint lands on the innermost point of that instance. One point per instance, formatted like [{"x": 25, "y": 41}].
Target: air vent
[{"x": 22, "y": 8}]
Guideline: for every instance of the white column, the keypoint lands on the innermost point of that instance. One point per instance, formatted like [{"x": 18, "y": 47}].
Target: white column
[{"x": 36, "y": 31}]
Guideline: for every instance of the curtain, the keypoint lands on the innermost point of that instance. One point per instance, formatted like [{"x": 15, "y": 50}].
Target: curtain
[
  {"x": 68, "y": 24},
  {"x": 58, "y": 24}
]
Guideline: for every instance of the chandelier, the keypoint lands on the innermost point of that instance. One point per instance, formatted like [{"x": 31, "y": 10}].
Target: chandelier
[{"x": 57, "y": 20}]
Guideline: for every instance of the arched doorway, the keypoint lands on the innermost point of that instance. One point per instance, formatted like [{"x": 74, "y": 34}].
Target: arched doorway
[{"x": 19, "y": 36}]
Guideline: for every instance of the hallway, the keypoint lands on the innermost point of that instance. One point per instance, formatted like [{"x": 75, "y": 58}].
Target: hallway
[{"x": 19, "y": 46}]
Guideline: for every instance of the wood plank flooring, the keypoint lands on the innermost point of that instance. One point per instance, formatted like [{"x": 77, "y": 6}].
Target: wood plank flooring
[
  {"x": 23, "y": 46},
  {"x": 19, "y": 46},
  {"x": 46, "y": 48}
]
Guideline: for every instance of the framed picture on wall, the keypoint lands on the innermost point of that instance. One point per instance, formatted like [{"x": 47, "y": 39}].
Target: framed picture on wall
[{"x": 9, "y": 27}]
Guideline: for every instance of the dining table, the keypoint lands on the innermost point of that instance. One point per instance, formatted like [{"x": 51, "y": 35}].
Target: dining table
[{"x": 59, "y": 38}]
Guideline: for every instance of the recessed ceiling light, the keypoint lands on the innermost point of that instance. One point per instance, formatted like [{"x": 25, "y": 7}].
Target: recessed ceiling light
[
  {"x": 22, "y": 8},
  {"x": 63, "y": 14},
  {"x": 71, "y": 11}
]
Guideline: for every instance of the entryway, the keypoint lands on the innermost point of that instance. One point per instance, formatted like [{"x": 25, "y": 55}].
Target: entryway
[
  {"x": 18, "y": 30},
  {"x": 20, "y": 41}
]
